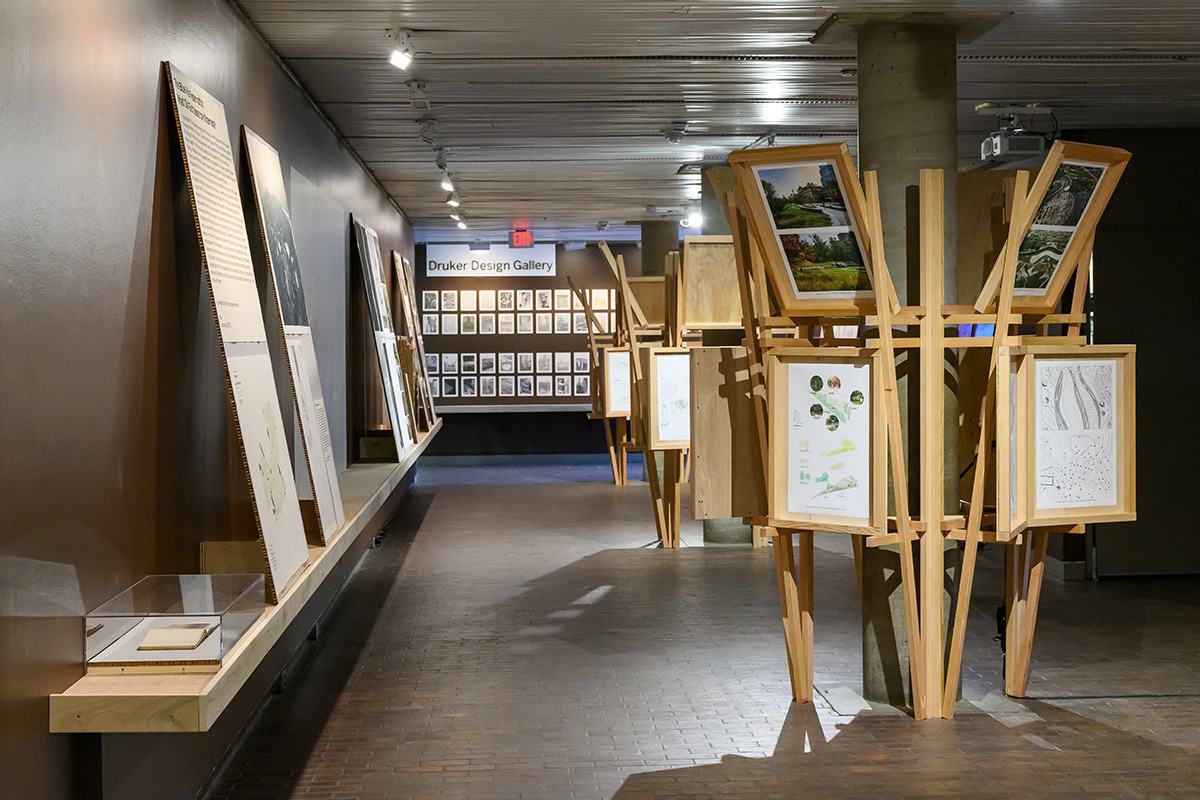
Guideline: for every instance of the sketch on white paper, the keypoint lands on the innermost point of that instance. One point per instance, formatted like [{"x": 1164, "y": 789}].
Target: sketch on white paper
[
  {"x": 1076, "y": 433},
  {"x": 829, "y": 439},
  {"x": 674, "y": 397},
  {"x": 616, "y": 373}
]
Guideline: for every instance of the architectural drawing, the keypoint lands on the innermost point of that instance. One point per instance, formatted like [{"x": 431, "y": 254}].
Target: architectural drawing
[{"x": 1076, "y": 433}]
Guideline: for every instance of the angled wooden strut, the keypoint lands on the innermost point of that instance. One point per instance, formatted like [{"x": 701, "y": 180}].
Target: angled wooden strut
[{"x": 617, "y": 456}]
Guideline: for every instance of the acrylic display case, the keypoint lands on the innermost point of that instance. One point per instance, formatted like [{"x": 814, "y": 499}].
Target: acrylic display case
[{"x": 171, "y": 624}]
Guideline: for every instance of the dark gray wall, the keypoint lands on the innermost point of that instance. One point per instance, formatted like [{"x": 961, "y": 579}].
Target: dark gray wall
[
  {"x": 116, "y": 455},
  {"x": 1146, "y": 285}
]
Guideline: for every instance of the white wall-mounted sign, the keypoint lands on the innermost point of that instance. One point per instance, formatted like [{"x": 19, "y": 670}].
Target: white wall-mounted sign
[{"x": 460, "y": 261}]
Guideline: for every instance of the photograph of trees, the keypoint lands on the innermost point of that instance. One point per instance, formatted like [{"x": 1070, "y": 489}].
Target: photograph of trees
[
  {"x": 803, "y": 196},
  {"x": 829, "y": 263}
]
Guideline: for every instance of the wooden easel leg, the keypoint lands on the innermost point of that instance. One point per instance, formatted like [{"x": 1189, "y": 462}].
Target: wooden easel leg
[
  {"x": 656, "y": 496},
  {"x": 671, "y": 466},
  {"x": 799, "y": 645},
  {"x": 622, "y": 453},
  {"x": 1016, "y": 564},
  {"x": 1017, "y": 681},
  {"x": 856, "y": 542},
  {"x": 958, "y": 636}
]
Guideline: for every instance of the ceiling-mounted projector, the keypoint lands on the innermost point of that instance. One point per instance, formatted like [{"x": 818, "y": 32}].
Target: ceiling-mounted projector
[{"x": 1012, "y": 145}]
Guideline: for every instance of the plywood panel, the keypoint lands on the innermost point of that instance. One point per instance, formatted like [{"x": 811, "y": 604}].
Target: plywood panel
[
  {"x": 710, "y": 288},
  {"x": 727, "y": 476},
  {"x": 650, "y": 292}
]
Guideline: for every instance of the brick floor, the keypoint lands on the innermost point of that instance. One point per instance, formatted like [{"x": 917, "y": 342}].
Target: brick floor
[{"x": 515, "y": 638}]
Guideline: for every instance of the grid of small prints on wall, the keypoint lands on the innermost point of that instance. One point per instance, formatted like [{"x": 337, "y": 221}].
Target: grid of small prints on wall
[{"x": 553, "y": 367}]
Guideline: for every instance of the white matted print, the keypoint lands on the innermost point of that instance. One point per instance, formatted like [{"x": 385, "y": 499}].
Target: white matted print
[
  {"x": 487, "y": 324},
  {"x": 506, "y": 363},
  {"x": 468, "y": 324},
  {"x": 672, "y": 390},
  {"x": 545, "y": 385},
  {"x": 562, "y": 385},
  {"x": 487, "y": 299},
  {"x": 487, "y": 385},
  {"x": 524, "y": 386},
  {"x": 449, "y": 324},
  {"x": 429, "y": 324},
  {"x": 504, "y": 300},
  {"x": 544, "y": 300},
  {"x": 450, "y": 363},
  {"x": 562, "y": 362},
  {"x": 524, "y": 323},
  {"x": 545, "y": 362},
  {"x": 545, "y": 323},
  {"x": 508, "y": 385},
  {"x": 524, "y": 363},
  {"x": 562, "y": 299},
  {"x": 525, "y": 300},
  {"x": 429, "y": 301},
  {"x": 1076, "y": 433},
  {"x": 582, "y": 386},
  {"x": 583, "y": 362},
  {"x": 449, "y": 300},
  {"x": 466, "y": 300}
]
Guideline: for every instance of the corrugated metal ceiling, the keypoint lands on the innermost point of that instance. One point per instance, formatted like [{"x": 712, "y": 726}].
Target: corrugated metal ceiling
[{"x": 554, "y": 111}]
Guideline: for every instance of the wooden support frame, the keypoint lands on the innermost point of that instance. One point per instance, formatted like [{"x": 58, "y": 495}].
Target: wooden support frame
[{"x": 709, "y": 270}]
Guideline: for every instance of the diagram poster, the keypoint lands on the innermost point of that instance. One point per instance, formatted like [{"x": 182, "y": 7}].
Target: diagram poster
[
  {"x": 829, "y": 439},
  {"x": 617, "y": 376},
  {"x": 275, "y": 223},
  {"x": 225, "y": 251},
  {"x": 1076, "y": 401},
  {"x": 672, "y": 393}
]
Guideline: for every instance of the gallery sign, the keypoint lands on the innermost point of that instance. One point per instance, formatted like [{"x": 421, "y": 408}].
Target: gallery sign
[{"x": 460, "y": 261}]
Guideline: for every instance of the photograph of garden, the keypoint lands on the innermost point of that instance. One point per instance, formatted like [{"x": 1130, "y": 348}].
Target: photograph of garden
[
  {"x": 803, "y": 196},
  {"x": 825, "y": 263},
  {"x": 1067, "y": 198},
  {"x": 1039, "y": 256}
]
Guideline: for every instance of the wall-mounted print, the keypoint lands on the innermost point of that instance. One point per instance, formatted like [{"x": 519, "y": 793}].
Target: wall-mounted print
[
  {"x": 1064, "y": 205},
  {"x": 432, "y": 363},
  {"x": 524, "y": 323},
  {"x": 487, "y": 324},
  {"x": 582, "y": 363},
  {"x": 545, "y": 385},
  {"x": 507, "y": 386},
  {"x": 450, "y": 363},
  {"x": 524, "y": 386},
  {"x": 827, "y": 458},
  {"x": 449, "y": 387},
  {"x": 562, "y": 385},
  {"x": 449, "y": 324},
  {"x": 487, "y": 385},
  {"x": 505, "y": 300},
  {"x": 468, "y": 362},
  {"x": 562, "y": 299},
  {"x": 806, "y": 209},
  {"x": 469, "y": 386},
  {"x": 579, "y": 322},
  {"x": 545, "y": 362},
  {"x": 429, "y": 301},
  {"x": 562, "y": 362},
  {"x": 487, "y": 299},
  {"x": 467, "y": 299},
  {"x": 524, "y": 363},
  {"x": 429, "y": 324},
  {"x": 449, "y": 300},
  {"x": 487, "y": 362},
  {"x": 435, "y": 387},
  {"x": 525, "y": 300},
  {"x": 544, "y": 299},
  {"x": 506, "y": 362},
  {"x": 582, "y": 386},
  {"x": 562, "y": 322},
  {"x": 544, "y": 322},
  {"x": 576, "y": 303},
  {"x": 506, "y": 323},
  {"x": 468, "y": 324},
  {"x": 599, "y": 299}
]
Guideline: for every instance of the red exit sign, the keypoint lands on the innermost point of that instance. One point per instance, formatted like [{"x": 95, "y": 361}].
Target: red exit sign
[{"x": 520, "y": 238}]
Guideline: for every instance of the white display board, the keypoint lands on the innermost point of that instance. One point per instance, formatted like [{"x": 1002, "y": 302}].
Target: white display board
[
  {"x": 672, "y": 383},
  {"x": 460, "y": 261},
  {"x": 225, "y": 251},
  {"x": 616, "y": 375},
  {"x": 315, "y": 453},
  {"x": 829, "y": 439},
  {"x": 1076, "y": 434}
]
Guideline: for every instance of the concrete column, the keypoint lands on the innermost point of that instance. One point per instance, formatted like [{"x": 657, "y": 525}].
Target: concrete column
[
  {"x": 714, "y": 223},
  {"x": 659, "y": 237},
  {"x": 907, "y": 121}
]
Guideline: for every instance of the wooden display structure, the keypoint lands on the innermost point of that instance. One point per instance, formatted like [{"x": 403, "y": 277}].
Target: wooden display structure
[
  {"x": 804, "y": 322},
  {"x": 602, "y": 342}
]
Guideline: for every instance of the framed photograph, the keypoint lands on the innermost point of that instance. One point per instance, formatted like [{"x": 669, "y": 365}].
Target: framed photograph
[
  {"x": 449, "y": 300},
  {"x": 487, "y": 362},
  {"x": 487, "y": 385},
  {"x": 468, "y": 362},
  {"x": 524, "y": 323},
  {"x": 617, "y": 376},
  {"x": 562, "y": 362},
  {"x": 524, "y": 363},
  {"x": 429, "y": 301},
  {"x": 449, "y": 324},
  {"x": 827, "y": 437},
  {"x": 562, "y": 385},
  {"x": 1065, "y": 202},
  {"x": 525, "y": 300},
  {"x": 487, "y": 299},
  {"x": 806, "y": 209},
  {"x": 449, "y": 387},
  {"x": 1065, "y": 435},
  {"x": 545, "y": 322},
  {"x": 466, "y": 300},
  {"x": 599, "y": 299},
  {"x": 506, "y": 323},
  {"x": 545, "y": 385},
  {"x": 524, "y": 386},
  {"x": 432, "y": 363},
  {"x": 504, "y": 300},
  {"x": 545, "y": 362},
  {"x": 544, "y": 300},
  {"x": 429, "y": 324},
  {"x": 450, "y": 363},
  {"x": 709, "y": 270},
  {"x": 469, "y": 386},
  {"x": 435, "y": 387},
  {"x": 506, "y": 363},
  {"x": 487, "y": 324},
  {"x": 582, "y": 363},
  {"x": 581, "y": 323},
  {"x": 612, "y": 322},
  {"x": 668, "y": 397},
  {"x": 582, "y": 386},
  {"x": 562, "y": 322},
  {"x": 468, "y": 324},
  {"x": 508, "y": 386},
  {"x": 562, "y": 299}
]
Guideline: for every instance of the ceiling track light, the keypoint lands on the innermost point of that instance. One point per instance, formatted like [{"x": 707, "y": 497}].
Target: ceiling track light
[
  {"x": 462, "y": 225},
  {"x": 453, "y": 200},
  {"x": 402, "y": 53}
]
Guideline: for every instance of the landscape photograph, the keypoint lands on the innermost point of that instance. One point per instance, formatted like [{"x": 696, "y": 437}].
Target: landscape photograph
[
  {"x": 1039, "y": 256},
  {"x": 830, "y": 262},
  {"x": 1068, "y": 195},
  {"x": 803, "y": 196}
]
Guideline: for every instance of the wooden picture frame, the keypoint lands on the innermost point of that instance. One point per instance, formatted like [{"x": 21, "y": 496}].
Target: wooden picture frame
[
  {"x": 711, "y": 300},
  {"x": 614, "y": 361},
  {"x": 1070, "y": 465},
  {"x": 1056, "y": 223},
  {"x": 834, "y": 400},
  {"x": 662, "y": 391},
  {"x": 824, "y": 221}
]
